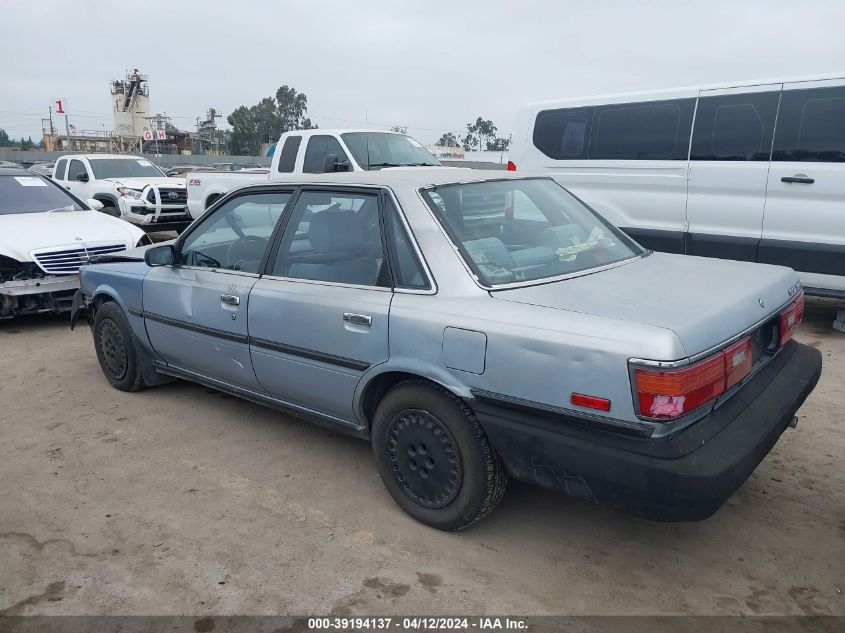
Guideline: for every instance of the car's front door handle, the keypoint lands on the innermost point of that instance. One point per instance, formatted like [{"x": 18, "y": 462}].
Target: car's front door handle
[
  {"x": 232, "y": 300},
  {"x": 799, "y": 179},
  {"x": 358, "y": 319}
]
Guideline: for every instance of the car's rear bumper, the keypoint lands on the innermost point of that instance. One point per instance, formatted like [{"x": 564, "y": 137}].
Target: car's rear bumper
[{"x": 683, "y": 477}]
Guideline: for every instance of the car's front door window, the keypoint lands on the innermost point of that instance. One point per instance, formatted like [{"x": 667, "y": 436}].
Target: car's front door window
[{"x": 236, "y": 235}]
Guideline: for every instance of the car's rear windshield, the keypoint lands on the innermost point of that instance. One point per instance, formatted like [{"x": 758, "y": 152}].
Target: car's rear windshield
[
  {"x": 26, "y": 193},
  {"x": 525, "y": 229},
  {"x": 124, "y": 168},
  {"x": 374, "y": 151}
]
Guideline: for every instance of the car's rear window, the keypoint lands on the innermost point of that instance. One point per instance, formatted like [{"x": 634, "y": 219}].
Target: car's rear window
[
  {"x": 26, "y": 193},
  {"x": 525, "y": 229}
]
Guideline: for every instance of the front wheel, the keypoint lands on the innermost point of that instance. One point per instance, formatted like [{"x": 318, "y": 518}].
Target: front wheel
[
  {"x": 115, "y": 347},
  {"x": 434, "y": 457}
]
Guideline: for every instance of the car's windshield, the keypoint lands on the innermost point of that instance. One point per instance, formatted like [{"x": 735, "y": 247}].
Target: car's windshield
[
  {"x": 525, "y": 229},
  {"x": 374, "y": 151},
  {"x": 124, "y": 168},
  {"x": 32, "y": 194}
]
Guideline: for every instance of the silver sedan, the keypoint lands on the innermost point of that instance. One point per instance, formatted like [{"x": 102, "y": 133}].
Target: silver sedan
[{"x": 473, "y": 326}]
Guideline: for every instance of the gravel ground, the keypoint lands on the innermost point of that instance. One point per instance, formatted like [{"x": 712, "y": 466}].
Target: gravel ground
[{"x": 180, "y": 500}]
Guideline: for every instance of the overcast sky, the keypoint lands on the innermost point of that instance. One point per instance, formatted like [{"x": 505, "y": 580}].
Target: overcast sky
[{"x": 430, "y": 65}]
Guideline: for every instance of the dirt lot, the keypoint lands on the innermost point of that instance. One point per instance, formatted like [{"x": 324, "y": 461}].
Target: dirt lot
[{"x": 179, "y": 500}]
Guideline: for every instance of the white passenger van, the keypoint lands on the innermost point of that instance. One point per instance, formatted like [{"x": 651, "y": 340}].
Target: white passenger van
[{"x": 751, "y": 171}]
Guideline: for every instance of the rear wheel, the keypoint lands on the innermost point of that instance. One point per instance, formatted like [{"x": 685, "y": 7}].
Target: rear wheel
[
  {"x": 115, "y": 347},
  {"x": 434, "y": 457}
]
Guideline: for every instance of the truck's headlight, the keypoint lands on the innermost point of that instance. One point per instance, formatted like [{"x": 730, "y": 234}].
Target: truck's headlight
[{"x": 129, "y": 193}]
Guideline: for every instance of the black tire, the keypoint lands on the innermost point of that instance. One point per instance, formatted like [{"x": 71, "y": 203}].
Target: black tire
[
  {"x": 434, "y": 457},
  {"x": 115, "y": 347}
]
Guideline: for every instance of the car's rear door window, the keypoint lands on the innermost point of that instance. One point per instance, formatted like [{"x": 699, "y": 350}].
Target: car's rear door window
[{"x": 334, "y": 236}]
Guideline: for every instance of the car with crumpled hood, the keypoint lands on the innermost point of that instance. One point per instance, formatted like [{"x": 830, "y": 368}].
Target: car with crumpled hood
[{"x": 46, "y": 234}]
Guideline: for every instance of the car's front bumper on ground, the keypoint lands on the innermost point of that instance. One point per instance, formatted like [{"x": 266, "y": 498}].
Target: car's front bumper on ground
[
  {"x": 683, "y": 477},
  {"x": 32, "y": 296}
]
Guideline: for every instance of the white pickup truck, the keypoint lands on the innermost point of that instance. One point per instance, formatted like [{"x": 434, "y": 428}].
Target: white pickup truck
[
  {"x": 129, "y": 187},
  {"x": 315, "y": 152}
]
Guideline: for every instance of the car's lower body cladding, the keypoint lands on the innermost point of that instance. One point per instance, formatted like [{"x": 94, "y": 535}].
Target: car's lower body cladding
[{"x": 682, "y": 477}]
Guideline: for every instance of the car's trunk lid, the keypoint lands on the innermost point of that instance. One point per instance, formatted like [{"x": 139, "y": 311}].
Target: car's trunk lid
[{"x": 704, "y": 301}]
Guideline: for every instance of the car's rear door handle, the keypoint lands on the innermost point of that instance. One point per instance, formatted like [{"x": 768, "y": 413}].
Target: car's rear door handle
[
  {"x": 232, "y": 300},
  {"x": 358, "y": 319},
  {"x": 800, "y": 179}
]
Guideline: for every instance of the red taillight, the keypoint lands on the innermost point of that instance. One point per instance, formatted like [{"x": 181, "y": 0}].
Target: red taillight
[
  {"x": 790, "y": 319},
  {"x": 669, "y": 394},
  {"x": 737, "y": 362},
  {"x": 591, "y": 402},
  {"x": 511, "y": 166}
]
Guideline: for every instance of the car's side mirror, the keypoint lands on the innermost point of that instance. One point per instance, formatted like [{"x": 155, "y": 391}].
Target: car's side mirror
[
  {"x": 163, "y": 255},
  {"x": 83, "y": 177},
  {"x": 96, "y": 205},
  {"x": 331, "y": 164}
]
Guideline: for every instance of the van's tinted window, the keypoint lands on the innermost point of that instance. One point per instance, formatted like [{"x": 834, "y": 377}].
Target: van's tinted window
[
  {"x": 655, "y": 130},
  {"x": 735, "y": 127},
  {"x": 287, "y": 159},
  {"x": 318, "y": 148},
  {"x": 563, "y": 134},
  {"x": 811, "y": 125}
]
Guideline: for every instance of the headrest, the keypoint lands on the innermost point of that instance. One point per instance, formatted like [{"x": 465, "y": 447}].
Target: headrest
[{"x": 336, "y": 231}]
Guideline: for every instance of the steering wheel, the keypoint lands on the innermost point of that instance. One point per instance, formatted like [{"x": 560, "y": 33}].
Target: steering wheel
[{"x": 244, "y": 249}]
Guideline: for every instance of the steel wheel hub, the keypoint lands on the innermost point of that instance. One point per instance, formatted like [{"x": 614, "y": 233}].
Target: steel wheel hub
[
  {"x": 425, "y": 458},
  {"x": 112, "y": 349}
]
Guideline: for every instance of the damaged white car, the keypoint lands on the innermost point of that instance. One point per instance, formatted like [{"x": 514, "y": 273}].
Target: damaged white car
[{"x": 46, "y": 234}]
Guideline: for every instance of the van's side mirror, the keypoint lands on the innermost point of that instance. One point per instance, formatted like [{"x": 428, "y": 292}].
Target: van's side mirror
[
  {"x": 83, "y": 177},
  {"x": 96, "y": 205},
  {"x": 162, "y": 255}
]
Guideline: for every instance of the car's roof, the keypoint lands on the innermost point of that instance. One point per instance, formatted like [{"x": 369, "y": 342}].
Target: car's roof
[
  {"x": 402, "y": 177},
  {"x": 344, "y": 130},
  {"x": 107, "y": 156},
  {"x": 16, "y": 171}
]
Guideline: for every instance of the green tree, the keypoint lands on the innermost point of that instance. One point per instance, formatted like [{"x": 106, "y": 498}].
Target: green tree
[
  {"x": 5, "y": 141},
  {"x": 447, "y": 139},
  {"x": 267, "y": 120},
  {"x": 479, "y": 134},
  {"x": 27, "y": 144},
  {"x": 499, "y": 144}
]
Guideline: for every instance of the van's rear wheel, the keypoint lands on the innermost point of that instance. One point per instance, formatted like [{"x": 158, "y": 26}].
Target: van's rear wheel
[
  {"x": 434, "y": 457},
  {"x": 115, "y": 347}
]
